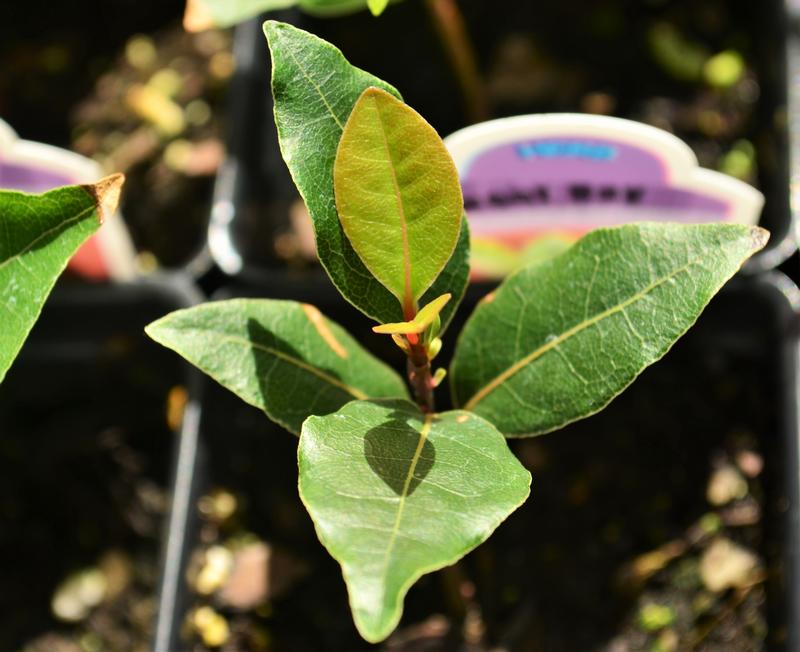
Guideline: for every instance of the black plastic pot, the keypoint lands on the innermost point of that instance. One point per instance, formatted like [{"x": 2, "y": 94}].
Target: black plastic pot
[
  {"x": 741, "y": 357},
  {"x": 85, "y": 454}
]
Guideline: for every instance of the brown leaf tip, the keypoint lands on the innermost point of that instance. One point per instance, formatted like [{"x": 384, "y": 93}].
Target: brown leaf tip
[
  {"x": 759, "y": 238},
  {"x": 106, "y": 195}
]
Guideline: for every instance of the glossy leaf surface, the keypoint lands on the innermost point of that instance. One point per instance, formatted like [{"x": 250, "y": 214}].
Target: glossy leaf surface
[
  {"x": 38, "y": 235},
  {"x": 315, "y": 89},
  {"x": 395, "y": 494},
  {"x": 283, "y": 357},
  {"x": 560, "y": 339},
  {"x": 398, "y": 195}
]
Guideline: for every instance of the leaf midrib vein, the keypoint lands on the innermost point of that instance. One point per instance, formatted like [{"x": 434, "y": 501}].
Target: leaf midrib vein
[
  {"x": 423, "y": 436},
  {"x": 407, "y": 298},
  {"x": 316, "y": 88},
  {"x": 356, "y": 393},
  {"x": 61, "y": 226},
  {"x": 574, "y": 330}
]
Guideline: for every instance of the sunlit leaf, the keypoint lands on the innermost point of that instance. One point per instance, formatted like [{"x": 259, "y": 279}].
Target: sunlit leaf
[
  {"x": 377, "y": 6},
  {"x": 560, "y": 339},
  {"x": 283, "y": 357},
  {"x": 204, "y": 14},
  {"x": 315, "y": 89},
  {"x": 395, "y": 494},
  {"x": 398, "y": 195}
]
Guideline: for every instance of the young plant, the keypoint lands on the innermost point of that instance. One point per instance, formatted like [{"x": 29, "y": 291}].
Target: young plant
[
  {"x": 38, "y": 235},
  {"x": 395, "y": 488}
]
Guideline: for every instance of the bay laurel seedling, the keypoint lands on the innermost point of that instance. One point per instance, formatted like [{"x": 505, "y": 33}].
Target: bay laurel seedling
[{"x": 395, "y": 488}]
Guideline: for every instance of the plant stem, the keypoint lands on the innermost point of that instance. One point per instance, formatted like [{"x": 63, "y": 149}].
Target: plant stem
[
  {"x": 451, "y": 26},
  {"x": 419, "y": 375}
]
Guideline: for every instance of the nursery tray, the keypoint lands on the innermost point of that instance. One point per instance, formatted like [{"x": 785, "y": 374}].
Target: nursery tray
[
  {"x": 627, "y": 482},
  {"x": 84, "y": 467}
]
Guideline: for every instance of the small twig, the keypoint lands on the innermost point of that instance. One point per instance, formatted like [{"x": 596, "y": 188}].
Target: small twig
[
  {"x": 736, "y": 600},
  {"x": 419, "y": 375},
  {"x": 452, "y": 577},
  {"x": 451, "y": 26}
]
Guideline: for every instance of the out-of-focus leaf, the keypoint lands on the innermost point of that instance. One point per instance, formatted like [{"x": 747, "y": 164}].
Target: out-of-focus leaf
[{"x": 38, "y": 235}]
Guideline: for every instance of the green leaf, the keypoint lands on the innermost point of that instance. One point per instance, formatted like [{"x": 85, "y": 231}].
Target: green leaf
[
  {"x": 398, "y": 195},
  {"x": 203, "y": 14},
  {"x": 560, "y": 339},
  {"x": 38, "y": 235},
  {"x": 283, "y": 357},
  {"x": 377, "y": 7},
  {"x": 336, "y": 7},
  {"x": 395, "y": 494},
  {"x": 315, "y": 89},
  {"x": 453, "y": 279}
]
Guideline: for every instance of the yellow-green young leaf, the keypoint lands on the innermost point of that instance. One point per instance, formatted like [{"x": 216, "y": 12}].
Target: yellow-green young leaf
[
  {"x": 203, "y": 14},
  {"x": 377, "y": 7},
  {"x": 283, "y": 357},
  {"x": 398, "y": 195},
  {"x": 561, "y": 338},
  {"x": 38, "y": 235},
  {"x": 315, "y": 89},
  {"x": 395, "y": 494},
  {"x": 421, "y": 321}
]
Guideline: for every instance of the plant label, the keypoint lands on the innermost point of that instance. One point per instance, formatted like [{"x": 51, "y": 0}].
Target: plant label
[
  {"x": 535, "y": 183},
  {"x": 36, "y": 168}
]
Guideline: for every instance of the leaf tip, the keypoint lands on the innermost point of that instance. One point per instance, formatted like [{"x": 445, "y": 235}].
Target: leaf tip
[
  {"x": 758, "y": 238},
  {"x": 151, "y": 330},
  {"x": 269, "y": 27},
  {"x": 197, "y": 17},
  {"x": 377, "y": 7},
  {"x": 273, "y": 29},
  {"x": 373, "y": 92},
  {"x": 106, "y": 194}
]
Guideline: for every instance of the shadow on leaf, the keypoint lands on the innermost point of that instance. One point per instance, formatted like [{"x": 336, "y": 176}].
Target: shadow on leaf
[
  {"x": 390, "y": 449},
  {"x": 293, "y": 399}
]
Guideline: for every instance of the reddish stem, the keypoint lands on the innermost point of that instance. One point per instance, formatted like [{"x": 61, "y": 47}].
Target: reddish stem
[{"x": 419, "y": 375}]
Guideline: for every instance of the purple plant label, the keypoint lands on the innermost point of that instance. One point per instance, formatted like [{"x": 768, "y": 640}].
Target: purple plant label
[
  {"x": 560, "y": 175},
  {"x": 29, "y": 178},
  {"x": 36, "y": 167}
]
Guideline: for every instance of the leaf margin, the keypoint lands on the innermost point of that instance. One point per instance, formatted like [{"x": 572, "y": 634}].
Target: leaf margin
[
  {"x": 759, "y": 238},
  {"x": 422, "y": 571}
]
